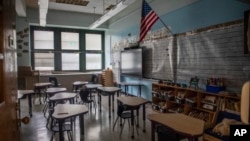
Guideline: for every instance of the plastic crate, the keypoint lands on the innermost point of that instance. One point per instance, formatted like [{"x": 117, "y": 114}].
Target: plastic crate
[{"x": 214, "y": 89}]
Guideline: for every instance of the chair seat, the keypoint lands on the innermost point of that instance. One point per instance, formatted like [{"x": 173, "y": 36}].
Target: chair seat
[
  {"x": 126, "y": 115},
  {"x": 88, "y": 101},
  {"x": 66, "y": 127}
]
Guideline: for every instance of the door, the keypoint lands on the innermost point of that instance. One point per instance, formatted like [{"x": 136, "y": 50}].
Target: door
[{"x": 9, "y": 129}]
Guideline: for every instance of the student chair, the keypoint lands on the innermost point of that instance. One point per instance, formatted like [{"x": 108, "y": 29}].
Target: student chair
[
  {"x": 85, "y": 97},
  {"x": 54, "y": 82},
  {"x": 123, "y": 112}
]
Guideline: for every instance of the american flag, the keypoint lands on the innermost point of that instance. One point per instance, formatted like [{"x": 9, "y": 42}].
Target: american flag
[{"x": 148, "y": 18}]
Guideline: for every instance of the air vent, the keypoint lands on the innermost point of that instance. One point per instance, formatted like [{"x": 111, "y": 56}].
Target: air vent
[{"x": 74, "y": 2}]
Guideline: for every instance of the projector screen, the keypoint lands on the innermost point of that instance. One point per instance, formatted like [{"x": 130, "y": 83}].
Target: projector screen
[{"x": 131, "y": 62}]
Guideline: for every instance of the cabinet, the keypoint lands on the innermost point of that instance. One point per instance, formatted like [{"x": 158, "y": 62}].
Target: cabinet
[
  {"x": 27, "y": 77},
  {"x": 193, "y": 102},
  {"x": 107, "y": 78}
]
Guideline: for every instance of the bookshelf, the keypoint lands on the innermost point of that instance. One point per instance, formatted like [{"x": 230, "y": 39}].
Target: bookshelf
[{"x": 193, "y": 102}]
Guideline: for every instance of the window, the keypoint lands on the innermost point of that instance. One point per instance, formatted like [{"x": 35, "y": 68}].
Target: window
[
  {"x": 93, "y": 61},
  {"x": 93, "y": 42},
  {"x": 44, "y": 61},
  {"x": 70, "y": 42},
  {"x": 43, "y": 43},
  {"x": 70, "y": 61},
  {"x": 63, "y": 49},
  {"x": 93, "y": 49}
]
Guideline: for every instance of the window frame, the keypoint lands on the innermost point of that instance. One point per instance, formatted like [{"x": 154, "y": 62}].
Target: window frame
[{"x": 57, "y": 47}]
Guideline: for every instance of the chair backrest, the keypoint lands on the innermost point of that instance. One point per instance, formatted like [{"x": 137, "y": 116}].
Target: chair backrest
[
  {"x": 53, "y": 80},
  {"x": 84, "y": 94},
  {"x": 94, "y": 79},
  {"x": 120, "y": 109}
]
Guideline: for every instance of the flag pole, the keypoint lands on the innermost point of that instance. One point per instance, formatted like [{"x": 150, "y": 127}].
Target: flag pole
[{"x": 165, "y": 26}]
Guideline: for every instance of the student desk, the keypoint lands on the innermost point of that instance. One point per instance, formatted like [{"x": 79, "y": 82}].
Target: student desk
[
  {"x": 92, "y": 87},
  {"x": 134, "y": 103},
  {"x": 28, "y": 93},
  {"x": 127, "y": 84},
  {"x": 77, "y": 85},
  {"x": 62, "y": 96},
  {"x": 108, "y": 91},
  {"x": 53, "y": 90},
  {"x": 187, "y": 126},
  {"x": 50, "y": 92},
  {"x": 64, "y": 111},
  {"x": 39, "y": 87}
]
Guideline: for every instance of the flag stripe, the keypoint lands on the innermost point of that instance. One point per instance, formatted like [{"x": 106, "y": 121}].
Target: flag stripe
[{"x": 149, "y": 17}]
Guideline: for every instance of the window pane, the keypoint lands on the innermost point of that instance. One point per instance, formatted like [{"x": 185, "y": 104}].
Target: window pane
[
  {"x": 43, "y": 40},
  {"x": 93, "y": 61},
  {"x": 70, "y": 41},
  {"x": 93, "y": 42},
  {"x": 44, "y": 61},
  {"x": 70, "y": 61}
]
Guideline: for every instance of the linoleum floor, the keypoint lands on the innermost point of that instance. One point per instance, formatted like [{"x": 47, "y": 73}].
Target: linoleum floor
[{"x": 97, "y": 125}]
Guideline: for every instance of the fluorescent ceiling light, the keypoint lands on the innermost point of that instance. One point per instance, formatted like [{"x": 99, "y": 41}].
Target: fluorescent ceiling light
[
  {"x": 118, "y": 8},
  {"x": 43, "y": 9},
  {"x": 42, "y": 22}
]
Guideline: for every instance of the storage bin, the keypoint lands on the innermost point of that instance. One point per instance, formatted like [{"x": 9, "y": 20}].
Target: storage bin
[{"x": 214, "y": 89}]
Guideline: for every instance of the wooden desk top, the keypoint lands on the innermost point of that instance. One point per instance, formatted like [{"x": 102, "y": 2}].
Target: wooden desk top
[
  {"x": 62, "y": 96},
  {"x": 109, "y": 89},
  {"x": 77, "y": 83},
  {"x": 93, "y": 86},
  {"x": 43, "y": 84},
  {"x": 63, "y": 111},
  {"x": 21, "y": 93},
  {"x": 53, "y": 90},
  {"x": 180, "y": 123},
  {"x": 132, "y": 101},
  {"x": 24, "y": 92}
]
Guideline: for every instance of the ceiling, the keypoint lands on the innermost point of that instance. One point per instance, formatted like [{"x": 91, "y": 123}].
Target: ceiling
[
  {"x": 97, "y": 7},
  {"x": 84, "y": 6},
  {"x": 100, "y": 7}
]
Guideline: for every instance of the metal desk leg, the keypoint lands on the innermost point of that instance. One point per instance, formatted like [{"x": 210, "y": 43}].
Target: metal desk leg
[
  {"x": 100, "y": 101},
  {"x": 81, "y": 121},
  {"x": 109, "y": 106},
  {"x": 126, "y": 90},
  {"x": 137, "y": 115},
  {"x": 113, "y": 100},
  {"x": 60, "y": 131},
  {"x": 144, "y": 117},
  {"x": 152, "y": 131},
  {"x": 132, "y": 123},
  {"x": 30, "y": 105},
  {"x": 140, "y": 90}
]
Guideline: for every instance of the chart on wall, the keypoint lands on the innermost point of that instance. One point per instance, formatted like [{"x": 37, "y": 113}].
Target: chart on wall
[{"x": 158, "y": 59}]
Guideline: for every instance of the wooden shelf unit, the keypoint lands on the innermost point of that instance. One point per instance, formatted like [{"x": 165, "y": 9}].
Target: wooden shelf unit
[
  {"x": 189, "y": 101},
  {"x": 107, "y": 78}
]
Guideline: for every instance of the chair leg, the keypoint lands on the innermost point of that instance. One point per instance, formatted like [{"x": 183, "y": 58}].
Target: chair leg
[
  {"x": 136, "y": 126},
  {"x": 128, "y": 124},
  {"x": 122, "y": 128},
  {"x": 115, "y": 123},
  {"x": 69, "y": 136},
  {"x": 52, "y": 136}
]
